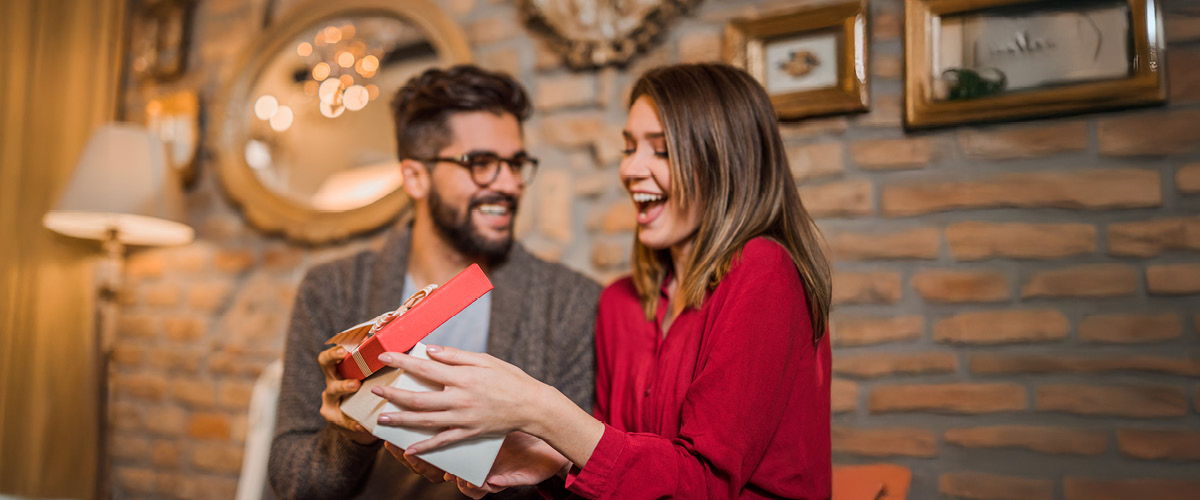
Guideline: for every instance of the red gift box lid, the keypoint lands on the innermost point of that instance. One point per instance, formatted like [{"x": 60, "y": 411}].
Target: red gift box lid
[{"x": 403, "y": 332}]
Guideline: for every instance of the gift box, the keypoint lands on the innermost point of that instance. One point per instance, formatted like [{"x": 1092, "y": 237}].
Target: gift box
[
  {"x": 400, "y": 332},
  {"x": 470, "y": 459}
]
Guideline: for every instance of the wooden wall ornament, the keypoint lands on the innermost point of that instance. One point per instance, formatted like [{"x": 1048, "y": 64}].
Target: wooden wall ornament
[{"x": 593, "y": 33}]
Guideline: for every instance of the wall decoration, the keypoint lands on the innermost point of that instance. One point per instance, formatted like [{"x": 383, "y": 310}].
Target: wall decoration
[
  {"x": 591, "y": 33},
  {"x": 163, "y": 32},
  {"x": 811, "y": 61},
  {"x": 969, "y": 61},
  {"x": 175, "y": 119}
]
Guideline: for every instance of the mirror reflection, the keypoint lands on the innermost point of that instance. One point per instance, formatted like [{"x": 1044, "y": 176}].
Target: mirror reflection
[{"x": 319, "y": 114}]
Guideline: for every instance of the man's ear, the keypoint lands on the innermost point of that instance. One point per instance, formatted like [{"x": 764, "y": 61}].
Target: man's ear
[{"x": 416, "y": 179}]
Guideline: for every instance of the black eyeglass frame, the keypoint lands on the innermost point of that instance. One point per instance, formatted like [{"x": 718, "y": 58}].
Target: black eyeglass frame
[{"x": 465, "y": 161}]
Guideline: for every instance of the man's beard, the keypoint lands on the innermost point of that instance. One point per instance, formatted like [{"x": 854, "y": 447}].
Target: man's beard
[{"x": 455, "y": 225}]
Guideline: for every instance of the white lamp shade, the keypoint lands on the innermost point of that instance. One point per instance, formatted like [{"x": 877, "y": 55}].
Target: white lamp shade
[{"x": 122, "y": 183}]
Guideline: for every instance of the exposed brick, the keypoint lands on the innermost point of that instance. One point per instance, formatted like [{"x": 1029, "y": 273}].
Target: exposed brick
[
  {"x": 565, "y": 91},
  {"x": 135, "y": 480},
  {"x": 1184, "y": 74},
  {"x": 884, "y": 442},
  {"x": 1173, "y": 279},
  {"x": 554, "y": 200},
  {"x": 165, "y": 420},
  {"x": 130, "y": 448},
  {"x": 617, "y": 217},
  {"x": 610, "y": 254},
  {"x": 1182, "y": 27},
  {"x": 1150, "y": 238},
  {"x": 1159, "y": 444},
  {"x": 185, "y": 328},
  {"x": 888, "y": 364},
  {"x": 1150, "y": 134},
  {"x": 886, "y": 66},
  {"x": 572, "y": 130},
  {"x": 128, "y": 355},
  {"x": 700, "y": 47},
  {"x": 188, "y": 259},
  {"x": 988, "y": 240},
  {"x": 1097, "y": 189},
  {"x": 1023, "y": 141},
  {"x": 192, "y": 485},
  {"x": 208, "y": 296},
  {"x": 236, "y": 363},
  {"x": 981, "y": 486},
  {"x": 892, "y": 154},
  {"x": 961, "y": 286},
  {"x": 1049, "y": 440},
  {"x": 1130, "y": 328},
  {"x": 209, "y": 426},
  {"x": 812, "y": 161},
  {"x": 194, "y": 392},
  {"x": 491, "y": 29},
  {"x": 845, "y": 198},
  {"x": 1086, "y": 488},
  {"x": 504, "y": 60},
  {"x": 1187, "y": 178},
  {"x": 1121, "y": 401},
  {"x": 991, "y": 363},
  {"x": 140, "y": 385},
  {"x": 145, "y": 264},
  {"x": 1098, "y": 280},
  {"x": 965, "y": 398},
  {"x": 235, "y": 394},
  {"x": 857, "y": 331},
  {"x": 233, "y": 261},
  {"x": 919, "y": 243},
  {"x": 167, "y": 454},
  {"x": 885, "y": 112},
  {"x": 217, "y": 458},
  {"x": 1000, "y": 327},
  {"x": 843, "y": 396},
  {"x": 170, "y": 359},
  {"x": 278, "y": 257},
  {"x": 812, "y": 127},
  {"x": 141, "y": 326},
  {"x": 886, "y": 25},
  {"x": 866, "y": 288},
  {"x": 162, "y": 295}
]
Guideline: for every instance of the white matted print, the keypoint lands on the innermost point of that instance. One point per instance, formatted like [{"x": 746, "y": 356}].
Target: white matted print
[{"x": 799, "y": 63}]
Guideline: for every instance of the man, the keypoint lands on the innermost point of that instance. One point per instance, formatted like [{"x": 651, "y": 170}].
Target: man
[{"x": 459, "y": 139}]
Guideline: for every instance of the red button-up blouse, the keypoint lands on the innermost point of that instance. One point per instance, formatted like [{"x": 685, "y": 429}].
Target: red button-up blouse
[{"x": 733, "y": 402}]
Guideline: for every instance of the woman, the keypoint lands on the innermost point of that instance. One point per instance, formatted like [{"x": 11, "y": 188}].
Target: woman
[{"x": 712, "y": 371}]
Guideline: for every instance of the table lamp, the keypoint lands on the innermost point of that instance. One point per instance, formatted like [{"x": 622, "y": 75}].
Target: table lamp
[{"x": 122, "y": 192}]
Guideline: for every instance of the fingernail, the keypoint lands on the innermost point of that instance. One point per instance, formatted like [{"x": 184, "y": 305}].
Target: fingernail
[
  {"x": 353, "y": 384},
  {"x": 341, "y": 351},
  {"x": 384, "y": 419},
  {"x": 385, "y": 358},
  {"x": 378, "y": 391},
  {"x": 433, "y": 348}
]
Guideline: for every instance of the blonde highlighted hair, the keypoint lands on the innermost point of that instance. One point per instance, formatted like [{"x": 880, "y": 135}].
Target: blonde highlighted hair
[{"x": 725, "y": 149}]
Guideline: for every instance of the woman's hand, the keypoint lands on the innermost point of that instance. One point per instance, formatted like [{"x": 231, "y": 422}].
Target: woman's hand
[
  {"x": 524, "y": 460},
  {"x": 331, "y": 398},
  {"x": 482, "y": 395}
]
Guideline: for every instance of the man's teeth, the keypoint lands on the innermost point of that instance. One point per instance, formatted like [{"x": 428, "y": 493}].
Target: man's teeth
[
  {"x": 647, "y": 197},
  {"x": 493, "y": 209}
]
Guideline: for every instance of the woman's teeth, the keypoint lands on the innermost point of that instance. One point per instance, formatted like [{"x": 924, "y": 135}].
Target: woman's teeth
[
  {"x": 491, "y": 209},
  {"x": 647, "y": 197}
]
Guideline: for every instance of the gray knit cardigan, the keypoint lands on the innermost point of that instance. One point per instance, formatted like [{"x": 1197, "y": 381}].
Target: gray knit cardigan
[{"x": 542, "y": 320}]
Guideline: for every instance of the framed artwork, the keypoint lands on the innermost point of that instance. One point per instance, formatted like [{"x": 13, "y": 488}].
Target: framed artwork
[
  {"x": 987, "y": 60},
  {"x": 589, "y": 34},
  {"x": 161, "y": 46},
  {"x": 175, "y": 119},
  {"x": 811, "y": 61}
]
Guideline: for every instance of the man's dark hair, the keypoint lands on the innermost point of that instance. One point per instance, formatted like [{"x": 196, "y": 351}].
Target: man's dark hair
[{"x": 425, "y": 103}]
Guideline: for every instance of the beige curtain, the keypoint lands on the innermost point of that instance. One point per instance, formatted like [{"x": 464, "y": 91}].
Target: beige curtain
[{"x": 59, "y": 77}]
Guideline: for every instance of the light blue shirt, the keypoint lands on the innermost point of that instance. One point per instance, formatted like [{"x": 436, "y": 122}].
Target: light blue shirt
[{"x": 468, "y": 330}]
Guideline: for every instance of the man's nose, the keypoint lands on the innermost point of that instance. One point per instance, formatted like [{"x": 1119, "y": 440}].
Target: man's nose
[{"x": 507, "y": 180}]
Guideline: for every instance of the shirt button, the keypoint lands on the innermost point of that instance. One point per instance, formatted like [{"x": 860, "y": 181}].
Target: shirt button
[{"x": 647, "y": 393}]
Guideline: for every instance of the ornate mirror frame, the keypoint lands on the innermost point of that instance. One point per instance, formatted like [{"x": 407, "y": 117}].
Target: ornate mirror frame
[{"x": 270, "y": 211}]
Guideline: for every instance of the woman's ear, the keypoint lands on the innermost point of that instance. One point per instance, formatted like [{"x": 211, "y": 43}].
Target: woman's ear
[{"x": 416, "y": 179}]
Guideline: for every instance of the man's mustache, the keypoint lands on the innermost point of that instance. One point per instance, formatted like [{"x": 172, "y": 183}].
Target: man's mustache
[{"x": 493, "y": 199}]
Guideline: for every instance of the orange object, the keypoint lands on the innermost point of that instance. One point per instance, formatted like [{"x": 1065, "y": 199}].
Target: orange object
[{"x": 871, "y": 482}]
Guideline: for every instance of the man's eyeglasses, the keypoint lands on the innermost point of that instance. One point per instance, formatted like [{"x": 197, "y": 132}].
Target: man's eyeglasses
[{"x": 485, "y": 166}]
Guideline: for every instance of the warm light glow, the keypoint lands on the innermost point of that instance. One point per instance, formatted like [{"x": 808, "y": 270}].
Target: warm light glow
[
  {"x": 357, "y": 48},
  {"x": 370, "y": 64},
  {"x": 345, "y": 59},
  {"x": 304, "y": 49},
  {"x": 348, "y": 31},
  {"x": 321, "y": 71},
  {"x": 265, "y": 107},
  {"x": 282, "y": 119},
  {"x": 372, "y": 91},
  {"x": 330, "y": 91},
  {"x": 331, "y": 110},
  {"x": 310, "y": 88},
  {"x": 154, "y": 107},
  {"x": 332, "y": 35},
  {"x": 346, "y": 80},
  {"x": 355, "y": 97},
  {"x": 258, "y": 154}
]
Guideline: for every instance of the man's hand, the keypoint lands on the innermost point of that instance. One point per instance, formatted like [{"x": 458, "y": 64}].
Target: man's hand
[
  {"x": 433, "y": 474},
  {"x": 331, "y": 398}
]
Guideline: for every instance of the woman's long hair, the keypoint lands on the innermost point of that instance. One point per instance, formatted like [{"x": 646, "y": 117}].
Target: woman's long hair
[{"x": 726, "y": 154}]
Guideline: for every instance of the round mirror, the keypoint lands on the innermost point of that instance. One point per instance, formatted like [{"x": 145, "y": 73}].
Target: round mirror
[{"x": 305, "y": 133}]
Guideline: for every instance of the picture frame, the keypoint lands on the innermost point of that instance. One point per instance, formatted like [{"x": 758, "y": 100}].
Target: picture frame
[
  {"x": 160, "y": 49},
  {"x": 969, "y": 61},
  {"x": 812, "y": 61}
]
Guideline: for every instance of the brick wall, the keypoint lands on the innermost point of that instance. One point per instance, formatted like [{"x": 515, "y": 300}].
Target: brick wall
[{"x": 1017, "y": 307}]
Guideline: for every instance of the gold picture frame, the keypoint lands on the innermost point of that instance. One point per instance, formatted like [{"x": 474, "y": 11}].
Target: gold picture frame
[
  {"x": 1021, "y": 59},
  {"x": 791, "y": 53}
]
